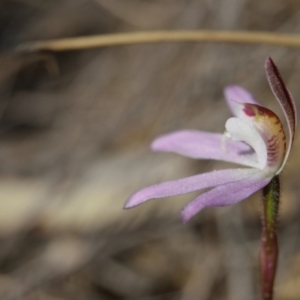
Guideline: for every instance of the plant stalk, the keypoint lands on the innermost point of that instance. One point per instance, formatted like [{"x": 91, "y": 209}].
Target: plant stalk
[{"x": 269, "y": 244}]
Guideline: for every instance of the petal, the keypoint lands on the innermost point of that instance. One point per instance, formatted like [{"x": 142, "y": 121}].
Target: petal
[
  {"x": 188, "y": 184},
  {"x": 205, "y": 145},
  {"x": 235, "y": 94},
  {"x": 243, "y": 131},
  {"x": 285, "y": 100},
  {"x": 226, "y": 194}
]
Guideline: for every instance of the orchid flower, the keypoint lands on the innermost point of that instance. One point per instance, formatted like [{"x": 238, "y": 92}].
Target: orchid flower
[{"x": 254, "y": 138}]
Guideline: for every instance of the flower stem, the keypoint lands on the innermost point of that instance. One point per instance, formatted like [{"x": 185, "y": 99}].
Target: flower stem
[{"x": 269, "y": 244}]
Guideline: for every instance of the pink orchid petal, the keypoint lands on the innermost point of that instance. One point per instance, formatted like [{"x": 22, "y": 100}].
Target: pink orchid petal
[
  {"x": 205, "y": 145},
  {"x": 285, "y": 100},
  {"x": 235, "y": 94},
  {"x": 188, "y": 184},
  {"x": 227, "y": 194}
]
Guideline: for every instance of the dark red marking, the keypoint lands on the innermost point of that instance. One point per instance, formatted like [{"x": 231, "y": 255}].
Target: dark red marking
[{"x": 249, "y": 109}]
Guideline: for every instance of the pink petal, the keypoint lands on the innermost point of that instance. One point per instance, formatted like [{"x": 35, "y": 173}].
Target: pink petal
[
  {"x": 205, "y": 145},
  {"x": 226, "y": 194},
  {"x": 285, "y": 100},
  {"x": 235, "y": 94},
  {"x": 188, "y": 184}
]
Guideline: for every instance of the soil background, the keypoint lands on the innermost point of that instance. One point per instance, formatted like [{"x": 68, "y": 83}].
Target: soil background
[{"x": 75, "y": 130}]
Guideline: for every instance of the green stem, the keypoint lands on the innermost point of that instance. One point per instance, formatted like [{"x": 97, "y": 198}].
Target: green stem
[{"x": 269, "y": 244}]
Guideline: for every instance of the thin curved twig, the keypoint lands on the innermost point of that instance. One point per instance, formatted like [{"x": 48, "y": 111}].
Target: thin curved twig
[{"x": 108, "y": 40}]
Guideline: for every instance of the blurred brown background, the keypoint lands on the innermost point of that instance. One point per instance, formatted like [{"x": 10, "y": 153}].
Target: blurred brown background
[{"x": 74, "y": 134}]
